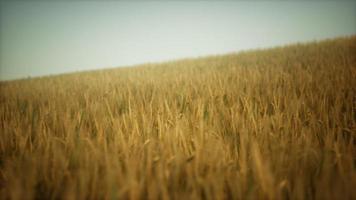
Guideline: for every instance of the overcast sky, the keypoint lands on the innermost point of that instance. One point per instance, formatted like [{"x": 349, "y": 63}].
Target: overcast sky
[{"x": 39, "y": 38}]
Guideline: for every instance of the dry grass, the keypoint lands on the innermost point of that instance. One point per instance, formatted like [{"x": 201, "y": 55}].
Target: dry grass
[{"x": 266, "y": 124}]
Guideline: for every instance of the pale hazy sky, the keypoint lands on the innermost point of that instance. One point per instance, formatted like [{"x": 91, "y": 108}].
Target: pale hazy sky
[{"x": 39, "y": 38}]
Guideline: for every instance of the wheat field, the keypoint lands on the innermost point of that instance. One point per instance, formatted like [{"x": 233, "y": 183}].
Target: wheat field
[{"x": 264, "y": 124}]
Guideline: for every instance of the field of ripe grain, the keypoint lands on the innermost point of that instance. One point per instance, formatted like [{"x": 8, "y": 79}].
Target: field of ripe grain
[{"x": 266, "y": 124}]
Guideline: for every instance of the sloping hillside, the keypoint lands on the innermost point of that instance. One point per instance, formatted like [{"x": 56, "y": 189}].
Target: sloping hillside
[{"x": 266, "y": 124}]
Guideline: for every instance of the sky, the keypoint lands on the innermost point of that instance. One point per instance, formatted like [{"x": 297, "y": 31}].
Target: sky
[{"x": 43, "y": 38}]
